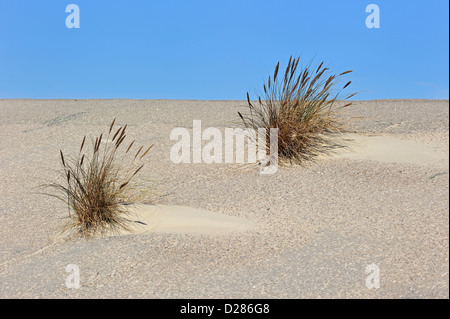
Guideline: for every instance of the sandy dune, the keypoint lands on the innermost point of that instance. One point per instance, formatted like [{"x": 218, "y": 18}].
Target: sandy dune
[
  {"x": 182, "y": 220},
  {"x": 390, "y": 150},
  {"x": 226, "y": 231}
]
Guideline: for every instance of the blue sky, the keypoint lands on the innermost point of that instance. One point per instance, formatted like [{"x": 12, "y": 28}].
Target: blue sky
[{"x": 218, "y": 49}]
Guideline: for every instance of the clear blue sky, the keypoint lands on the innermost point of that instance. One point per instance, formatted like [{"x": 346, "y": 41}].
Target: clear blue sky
[{"x": 218, "y": 49}]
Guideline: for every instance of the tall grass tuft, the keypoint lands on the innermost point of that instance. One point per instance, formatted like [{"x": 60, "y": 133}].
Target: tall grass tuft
[
  {"x": 96, "y": 184},
  {"x": 304, "y": 104}
]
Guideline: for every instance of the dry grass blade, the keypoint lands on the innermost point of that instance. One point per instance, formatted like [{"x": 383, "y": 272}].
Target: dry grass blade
[
  {"x": 119, "y": 141},
  {"x": 137, "y": 170},
  {"x": 118, "y": 130},
  {"x": 351, "y": 95},
  {"x": 95, "y": 145},
  {"x": 140, "y": 149},
  {"x": 123, "y": 185},
  {"x": 276, "y": 71},
  {"x": 62, "y": 158},
  {"x": 111, "y": 126},
  {"x": 145, "y": 153},
  {"x": 348, "y": 83},
  {"x": 82, "y": 143},
  {"x": 131, "y": 144},
  {"x": 248, "y": 97},
  {"x": 319, "y": 67}
]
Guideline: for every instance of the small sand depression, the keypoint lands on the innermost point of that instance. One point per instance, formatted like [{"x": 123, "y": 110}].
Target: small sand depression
[
  {"x": 179, "y": 219},
  {"x": 389, "y": 149}
]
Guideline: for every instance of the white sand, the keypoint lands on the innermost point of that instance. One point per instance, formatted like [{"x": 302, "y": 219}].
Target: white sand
[
  {"x": 390, "y": 150},
  {"x": 318, "y": 226},
  {"x": 182, "y": 220},
  {"x": 186, "y": 220}
]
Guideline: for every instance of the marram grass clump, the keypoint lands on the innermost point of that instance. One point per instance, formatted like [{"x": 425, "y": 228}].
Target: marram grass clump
[
  {"x": 96, "y": 185},
  {"x": 304, "y": 104}
]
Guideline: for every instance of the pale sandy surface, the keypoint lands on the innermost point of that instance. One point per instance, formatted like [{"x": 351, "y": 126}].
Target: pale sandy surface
[
  {"x": 316, "y": 227},
  {"x": 173, "y": 219}
]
